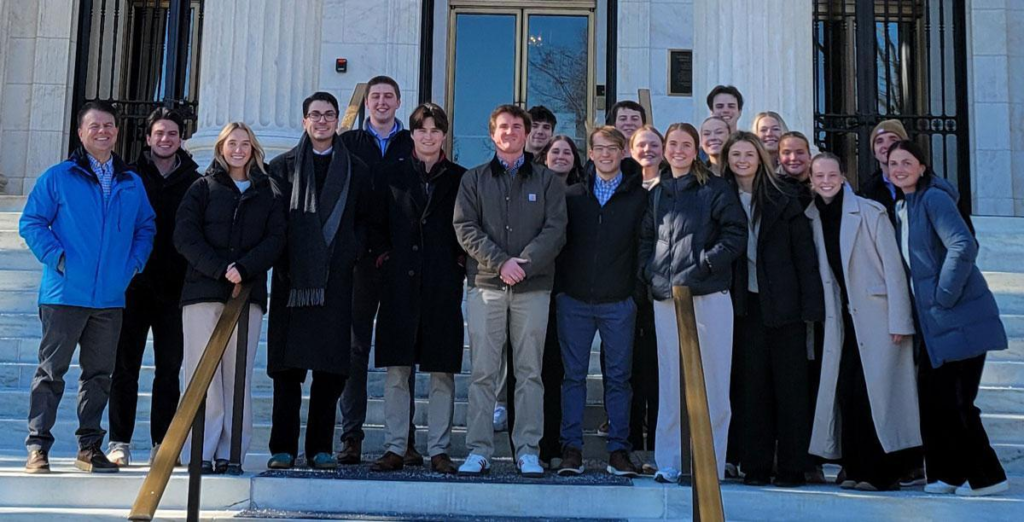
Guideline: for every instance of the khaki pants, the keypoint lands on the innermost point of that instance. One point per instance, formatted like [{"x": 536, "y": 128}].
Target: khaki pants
[
  {"x": 714, "y": 318},
  {"x": 440, "y": 412},
  {"x": 494, "y": 315},
  {"x": 198, "y": 322}
]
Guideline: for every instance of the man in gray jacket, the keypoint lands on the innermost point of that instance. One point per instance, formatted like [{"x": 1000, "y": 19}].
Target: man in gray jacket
[{"x": 510, "y": 218}]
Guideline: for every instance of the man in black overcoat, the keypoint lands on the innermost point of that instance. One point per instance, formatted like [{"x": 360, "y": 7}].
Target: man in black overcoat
[{"x": 327, "y": 192}]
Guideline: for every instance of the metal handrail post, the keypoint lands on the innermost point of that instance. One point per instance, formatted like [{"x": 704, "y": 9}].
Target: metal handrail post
[
  {"x": 238, "y": 402},
  {"x": 707, "y": 492},
  {"x": 195, "y": 465},
  {"x": 192, "y": 401}
]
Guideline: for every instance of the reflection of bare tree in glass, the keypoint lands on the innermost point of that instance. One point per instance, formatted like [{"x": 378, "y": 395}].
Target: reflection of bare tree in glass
[
  {"x": 890, "y": 78},
  {"x": 558, "y": 76}
]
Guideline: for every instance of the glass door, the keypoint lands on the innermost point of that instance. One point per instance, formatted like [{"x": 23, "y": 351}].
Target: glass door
[{"x": 523, "y": 56}]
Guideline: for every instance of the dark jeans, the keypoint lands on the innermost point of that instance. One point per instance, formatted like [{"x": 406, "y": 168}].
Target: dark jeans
[
  {"x": 64, "y": 328},
  {"x": 141, "y": 313},
  {"x": 365, "y": 302},
  {"x": 775, "y": 388},
  {"x": 578, "y": 322},
  {"x": 864, "y": 458},
  {"x": 956, "y": 447},
  {"x": 323, "y": 400},
  {"x": 552, "y": 373},
  {"x": 644, "y": 380}
]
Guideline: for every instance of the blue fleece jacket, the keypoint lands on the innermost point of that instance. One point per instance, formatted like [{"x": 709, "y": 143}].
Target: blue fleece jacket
[{"x": 103, "y": 245}]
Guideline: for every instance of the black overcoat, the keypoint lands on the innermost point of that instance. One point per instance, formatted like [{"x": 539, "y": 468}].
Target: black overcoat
[
  {"x": 789, "y": 285},
  {"x": 420, "y": 318},
  {"x": 319, "y": 337}
]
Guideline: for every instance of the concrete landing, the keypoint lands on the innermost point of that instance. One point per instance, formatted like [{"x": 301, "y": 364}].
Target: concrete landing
[{"x": 71, "y": 495}]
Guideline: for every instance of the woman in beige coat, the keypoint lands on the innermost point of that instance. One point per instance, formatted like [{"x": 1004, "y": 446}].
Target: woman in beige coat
[{"x": 867, "y": 405}]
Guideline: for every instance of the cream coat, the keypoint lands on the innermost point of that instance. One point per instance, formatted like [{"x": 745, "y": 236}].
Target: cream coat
[{"x": 880, "y": 306}]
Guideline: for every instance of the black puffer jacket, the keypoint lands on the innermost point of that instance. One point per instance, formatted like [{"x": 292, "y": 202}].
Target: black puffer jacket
[
  {"x": 219, "y": 225},
  {"x": 698, "y": 232},
  {"x": 164, "y": 274},
  {"x": 788, "y": 282}
]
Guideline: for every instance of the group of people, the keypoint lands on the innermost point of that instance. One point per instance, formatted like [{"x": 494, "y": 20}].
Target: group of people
[{"x": 833, "y": 327}]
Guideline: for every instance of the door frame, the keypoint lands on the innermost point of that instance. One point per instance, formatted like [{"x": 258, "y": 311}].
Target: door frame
[{"x": 522, "y": 10}]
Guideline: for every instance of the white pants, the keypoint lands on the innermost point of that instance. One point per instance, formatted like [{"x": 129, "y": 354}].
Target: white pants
[
  {"x": 198, "y": 322},
  {"x": 714, "y": 317},
  {"x": 440, "y": 412}
]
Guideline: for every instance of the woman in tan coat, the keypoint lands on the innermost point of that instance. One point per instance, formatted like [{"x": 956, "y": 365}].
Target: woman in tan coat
[{"x": 867, "y": 405}]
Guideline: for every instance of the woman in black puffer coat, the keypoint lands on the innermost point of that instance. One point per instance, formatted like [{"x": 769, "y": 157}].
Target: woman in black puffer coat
[
  {"x": 693, "y": 230},
  {"x": 230, "y": 229}
]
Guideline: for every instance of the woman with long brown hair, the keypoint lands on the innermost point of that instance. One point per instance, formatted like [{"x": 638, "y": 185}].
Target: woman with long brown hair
[{"x": 776, "y": 289}]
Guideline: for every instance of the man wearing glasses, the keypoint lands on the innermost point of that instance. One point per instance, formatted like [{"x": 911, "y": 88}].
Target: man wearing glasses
[
  {"x": 327, "y": 194},
  {"x": 596, "y": 273}
]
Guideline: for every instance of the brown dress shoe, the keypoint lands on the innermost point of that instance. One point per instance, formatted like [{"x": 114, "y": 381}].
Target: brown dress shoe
[
  {"x": 37, "y": 462},
  {"x": 412, "y": 457},
  {"x": 572, "y": 462},
  {"x": 92, "y": 460},
  {"x": 353, "y": 452},
  {"x": 620, "y": 465},
  {"x": 388, "y": 462},
  {"x": 443, "y": 464}
]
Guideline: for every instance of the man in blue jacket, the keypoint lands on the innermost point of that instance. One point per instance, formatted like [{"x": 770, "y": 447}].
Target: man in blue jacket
[{"x": 89, "y": 222}]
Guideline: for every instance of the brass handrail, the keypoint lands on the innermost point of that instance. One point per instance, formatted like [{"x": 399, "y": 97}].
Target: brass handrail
[
  {"x": 644, "y": 97},
  {"x": 355, "y": 104},
  {"x": 163, "y": 465},
  {"x": 707, "y": 493}
]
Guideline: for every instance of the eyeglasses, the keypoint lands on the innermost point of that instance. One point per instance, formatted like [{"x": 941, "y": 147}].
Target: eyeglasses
[
  {"x": 602, "y": 149},
  {"x": 325, "y": 116}
]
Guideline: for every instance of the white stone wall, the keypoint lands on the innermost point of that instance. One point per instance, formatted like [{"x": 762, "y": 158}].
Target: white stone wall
[
  {"x": 647, "y": 30},
  {"x": 991, "y": 122},
  {"x": 1015, "y": 67},
  {"x": 36, "y": 39},
  {"x": 377, "y": 37}
]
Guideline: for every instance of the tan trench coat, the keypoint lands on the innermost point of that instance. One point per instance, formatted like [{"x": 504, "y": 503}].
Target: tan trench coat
[{"x": 880, "y": 306}]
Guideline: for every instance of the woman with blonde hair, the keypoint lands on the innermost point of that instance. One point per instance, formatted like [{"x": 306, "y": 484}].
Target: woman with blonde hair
[
  {"x": 867, "y": 404},
  {"x": 692, "y": 232},
  {"x": 776, "y": 289},
  {"x": 769, "y": 128},
  {"x": 714, "y": 131},
  {"x": 230, "y": 228},
  {"x": 646, "y": 148}
]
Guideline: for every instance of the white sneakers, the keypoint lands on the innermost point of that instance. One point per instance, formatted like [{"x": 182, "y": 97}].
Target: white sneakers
[
  {"x": 529, "y": 466},
  {"x": 500, "y": 419},
  {"x": 967, "y": 491},
  {"x": 667, "y": 476},
  {"x": 120, "y": 453},
  {"x": 939, "y": 488},
  {"x": 475, "y": 465}
]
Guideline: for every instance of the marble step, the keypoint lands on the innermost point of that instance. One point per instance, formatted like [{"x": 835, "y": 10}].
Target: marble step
[
  {"x": 261, "y": 382},
  {"x": 10, "y": 239},
  {"x": 13, "y": 432},
  {"x": 19, "y": 259},
  {"x": 15, "y": 406},
  {"x": 9, "y": 220}
]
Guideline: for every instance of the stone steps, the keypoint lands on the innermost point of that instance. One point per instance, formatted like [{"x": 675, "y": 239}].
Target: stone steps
[
  {"x": 13, "y": 432},
  {"x": 30, "y": 497}
]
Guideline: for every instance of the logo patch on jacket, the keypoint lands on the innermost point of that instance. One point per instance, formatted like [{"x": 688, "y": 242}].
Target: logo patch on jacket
[{"x": 532, "y": 197}]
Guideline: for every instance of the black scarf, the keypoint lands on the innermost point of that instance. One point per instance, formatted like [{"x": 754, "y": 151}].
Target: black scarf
[{"x": 313, "y": 221}]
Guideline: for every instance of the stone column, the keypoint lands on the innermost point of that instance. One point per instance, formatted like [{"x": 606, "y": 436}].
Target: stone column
[
  {"x": 259, "y": 61},
  {"x": 764, "y": 49}
]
